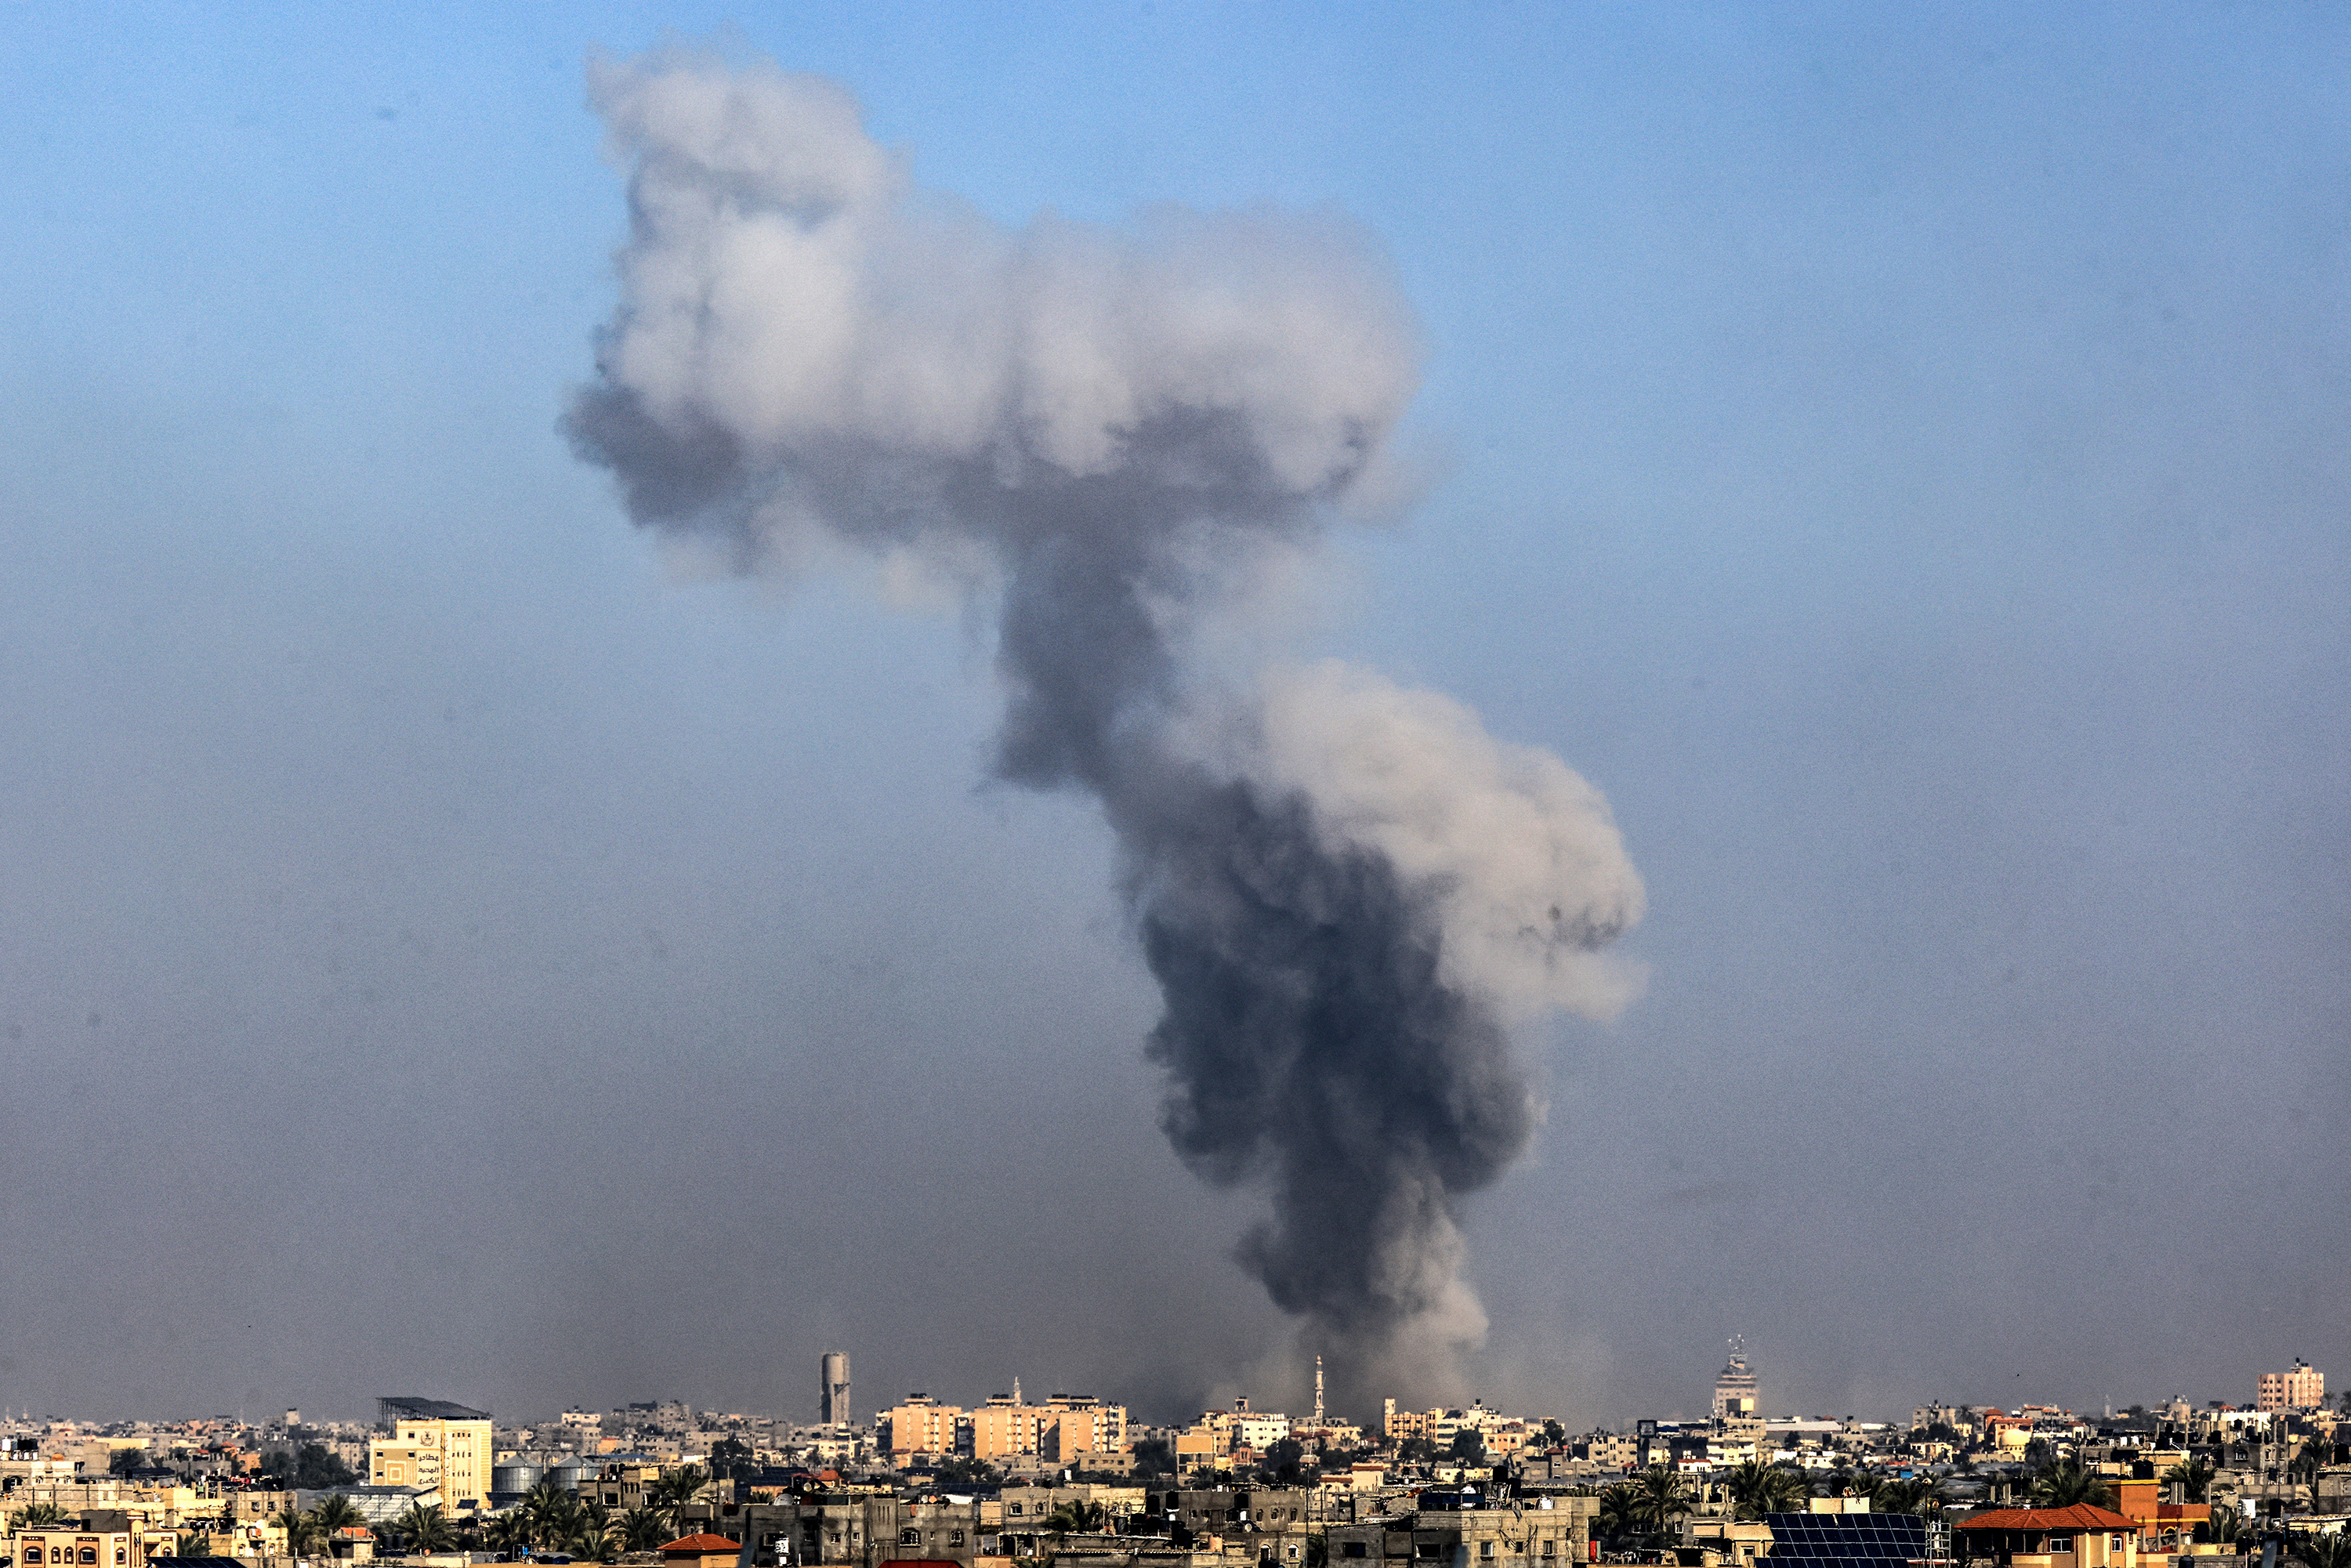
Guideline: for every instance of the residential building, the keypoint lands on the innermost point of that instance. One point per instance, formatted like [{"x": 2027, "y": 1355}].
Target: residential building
[
  {"x": 74, "y": 1547},
  {"x": 2082, "y": 1536},
  {"x": 921, "y": 1426},
  {"x": 1471, "y": 1531},
  {"x": 2304, "y": 1388}
]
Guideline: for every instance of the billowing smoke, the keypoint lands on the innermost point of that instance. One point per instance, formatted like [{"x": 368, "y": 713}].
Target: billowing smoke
[{"x": 1346, "y": 890}]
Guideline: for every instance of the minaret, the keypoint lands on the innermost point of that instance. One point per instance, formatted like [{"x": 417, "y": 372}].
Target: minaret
[
  {"x": 1015, "y": 1391},
  {"x": 1318, "y": 1391}
]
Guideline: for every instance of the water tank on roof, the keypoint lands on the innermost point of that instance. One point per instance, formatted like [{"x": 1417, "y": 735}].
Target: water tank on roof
[{"x": 570, "y": 1473}]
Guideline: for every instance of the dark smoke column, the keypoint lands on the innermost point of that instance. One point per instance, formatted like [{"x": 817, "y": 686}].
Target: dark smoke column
[{"x": 1347, "y": 891}]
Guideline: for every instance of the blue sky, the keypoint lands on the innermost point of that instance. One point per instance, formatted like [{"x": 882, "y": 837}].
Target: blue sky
[{"x": 1897, "y": 458}]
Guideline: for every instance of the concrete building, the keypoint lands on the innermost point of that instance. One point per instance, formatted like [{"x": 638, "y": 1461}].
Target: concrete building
[
  {"x": 74, "y": 1547},
  {"x": 2082, "y": 1536},
  {"x": 2304, "y": 1388},
  {"x": 923, "y": 1425},
  {"x": 438, "y": 1445},
  {"x": 1467, "y": 1530}
]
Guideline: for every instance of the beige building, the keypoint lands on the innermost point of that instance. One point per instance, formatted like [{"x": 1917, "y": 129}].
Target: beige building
[
  {"x": 1075, "y": 1429},
  {"x": 435, "y": 1444},
  {"x": 2304, "y": 1388},
  {"x": 921, "y": 1426},
  {"x": 76, "y": 1549}
]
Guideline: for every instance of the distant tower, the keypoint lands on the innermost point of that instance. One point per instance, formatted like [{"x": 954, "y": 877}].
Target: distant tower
[
  {"x": 1735, "y": 1388},
  {"x": 1318, "y": 1391},
  {"x": 832, "y": 1388},
  {"x": 1015, "y": 1391}
]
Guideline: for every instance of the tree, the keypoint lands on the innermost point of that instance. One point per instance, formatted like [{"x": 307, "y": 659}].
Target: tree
[
  {"x": 196, "y": 1543},
  {"x": 2324, "y": 1551},
  {"x": 1155, "y": 1457},
  {"x": 673, "y": 1490},
  {"x": 2069, "y": 1482},
  {"x": 1758, "y": 1488},
  {"x": 1077, "y": 1517},
  {"x": 553, "y": 1514},
  {"x": 425, "y": 1528},
  {"x": 2194, "y": 1476},
  {"x": 336, "y": 1511},
  {"x": 1620, "y": 1511},
  {"x": 961, "y": 1471},
  {"x": 1554, "y": 1435},
  {"x": 1661, "y": 1494},
  {"x": 1416, "y": 1450},
  {"x": 509, "y": 1534},
  {"x": 1469, "y": 1448},
  {"x": 38, "y": 1516},
  {"x": 122, "y": 1461},
  {"x": 591, "y": 1533},
  {"x": 301, "y": 1531},
  {"x": 641, "y": 1529}
]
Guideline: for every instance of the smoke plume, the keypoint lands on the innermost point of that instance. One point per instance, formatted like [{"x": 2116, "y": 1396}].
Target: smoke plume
[{"x": 1346, "y": 890}]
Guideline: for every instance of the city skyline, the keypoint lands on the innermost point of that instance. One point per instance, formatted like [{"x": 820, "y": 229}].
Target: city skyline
[{"x": 451, "y": 939}]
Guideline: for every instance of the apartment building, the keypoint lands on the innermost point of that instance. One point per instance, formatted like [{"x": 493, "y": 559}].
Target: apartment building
[
  {"x": 923, "y": 1425},
  {"x": 2304, "y": 1388}
]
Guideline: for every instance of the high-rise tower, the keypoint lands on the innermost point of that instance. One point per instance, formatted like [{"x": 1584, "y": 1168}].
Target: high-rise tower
[
  {"x": 1735, "y": 1389},
  {"x": 832, "y": 1388}
]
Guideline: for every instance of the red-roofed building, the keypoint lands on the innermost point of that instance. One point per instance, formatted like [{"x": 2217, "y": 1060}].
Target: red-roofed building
[
  {"x": 2082, "y": 1536},
  {"x": 704, "y": 1551},
  {"x": 2162, "y": 1526}
]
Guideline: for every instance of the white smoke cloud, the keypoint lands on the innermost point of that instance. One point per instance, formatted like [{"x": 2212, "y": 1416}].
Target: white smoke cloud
[
  {"x": 787, "y": 287},
  {"x": 1517, "y": 851}
]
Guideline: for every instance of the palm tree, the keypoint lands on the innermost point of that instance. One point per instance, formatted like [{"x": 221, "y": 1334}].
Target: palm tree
[
  {"x": 1620, "y": 1510},
  {"x": 1660, "y": 1494},
  {"x": 425, "y": 1528},
  {"x": 196, "y": 1543},
  {"x": 1077, "y": 1517},
  {"x": 301, "y": 1531},
  {"x": 2194, "y": 1476},
  {"x": 2223, "y": 1525},
  {"x": 641, "y": 1529},
  {"x": 672, "y": 1492},
  {"x": 509, "y": 1534},
  {"x": 37, "y": 1516},
  {"x": 591, "y": 1532},
  {"x": 2324, "y": 1551},
  {"x": 551, "y": 1512},
  {"x": 1758, "y": 1488},
  {"x": 2064, "y": 1484},
  {"x": 336, "y": 1511}
]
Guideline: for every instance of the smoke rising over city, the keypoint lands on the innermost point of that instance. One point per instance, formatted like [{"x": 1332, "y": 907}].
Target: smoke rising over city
[{"x": 1347, "y": 891}]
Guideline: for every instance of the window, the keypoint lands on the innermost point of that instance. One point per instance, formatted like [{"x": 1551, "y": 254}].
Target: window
[
  {"x": 32, "y": 1556},
  {"x": 1355, "y": 1549},
  {"x": 955, "y": 1538},
  {"x": 910, "y": 1538},
  {"x": 89, "y": 1554}
]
